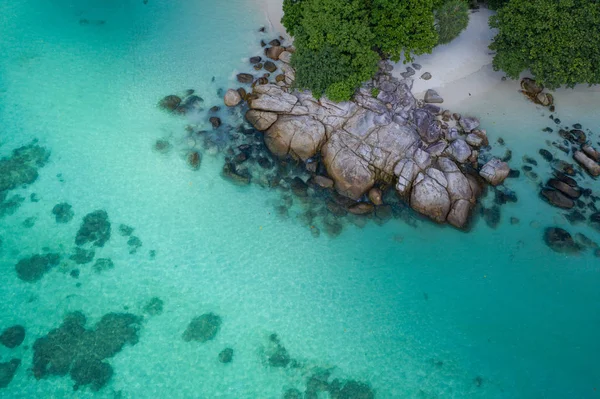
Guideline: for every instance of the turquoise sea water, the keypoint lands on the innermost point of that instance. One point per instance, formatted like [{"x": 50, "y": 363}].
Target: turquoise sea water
[{"x": 425, "y": 312}]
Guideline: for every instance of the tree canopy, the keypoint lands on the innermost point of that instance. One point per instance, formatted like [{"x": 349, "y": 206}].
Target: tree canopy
[
  {"x": 339, "y": 42},
  {"x": 452, "y": 18},
  {"x": 558, "y": 41}
]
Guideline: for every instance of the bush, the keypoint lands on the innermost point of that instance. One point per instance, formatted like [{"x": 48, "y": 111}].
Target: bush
[
  {"x": 339, "y": 42},
  {"x": 556, "y": 40},
  {"x": 452, "y": 18}
]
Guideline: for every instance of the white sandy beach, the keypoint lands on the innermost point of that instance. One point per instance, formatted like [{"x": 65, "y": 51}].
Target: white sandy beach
[{"x": 460, "y": 70}]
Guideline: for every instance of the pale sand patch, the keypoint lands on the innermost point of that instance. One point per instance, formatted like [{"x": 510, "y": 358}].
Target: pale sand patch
[
  {"x": 460, "y": 67},
  {"x": 273, "y": 10}
]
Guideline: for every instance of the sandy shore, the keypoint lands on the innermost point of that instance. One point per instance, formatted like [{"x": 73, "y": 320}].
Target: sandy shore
[
  {"x": 461, "y": 70},
  {"x": 273, "y": 12}
]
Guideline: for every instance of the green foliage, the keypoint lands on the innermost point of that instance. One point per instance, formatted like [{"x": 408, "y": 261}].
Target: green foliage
[
  {"x": 556, "y": 40},
  {"x": 496, "y": 4},
  {"x": 339, "y": 42},
  {"x": 451, "y": 18},
  {"x": 403, "y": 25},
  {"x": 374, "y": 92}
]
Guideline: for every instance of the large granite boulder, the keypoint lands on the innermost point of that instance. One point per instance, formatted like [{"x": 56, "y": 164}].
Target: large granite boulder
[
  {"x": 430, "y": 198},
  {"x": 232, "y": 98},
  {"x": 261, "y": 120},
  {"x": 272, "y": 98},
  {"x": 301, "y": 137}
]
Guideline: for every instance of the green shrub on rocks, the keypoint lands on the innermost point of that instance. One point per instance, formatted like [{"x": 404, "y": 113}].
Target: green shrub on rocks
[
  {"x": 340, "y": 42},
  {"x": 556, "y": 40},
  {"x": 452, "y": 18}
]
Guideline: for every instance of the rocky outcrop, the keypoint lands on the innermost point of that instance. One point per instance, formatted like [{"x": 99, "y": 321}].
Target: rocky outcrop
[
  {"x": 588, "y": 163},
  {"x": 372, "y": 142}
]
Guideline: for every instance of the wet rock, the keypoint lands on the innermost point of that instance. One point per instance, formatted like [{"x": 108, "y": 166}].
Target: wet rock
[
  {"x": 426, "y": 76},
  {"x": 270, "y": 66},
  {"x": 546, "y": 155},
  {"x": 469, "y": 123},
  {"x": 162, "y": 146},
  {"x": 557, "y": 198},
  {"x": 585, "y": 241},
  {"x": 134, "y": 243},
  {"x": 590, "y": 166},
  {"x": 323, "y": 182},
  {"x": 203, "y": 328},
  {"x": 7, "y": 371},
  {"x": 375, "y": 196},
  {"x": 73, "y": 349},
  {"x": 494, "y": 171},
  {"x": 245, "y": 78},
  {"x": 82, "y": 256},
  {"x": 560, "y": 240},
  {"x": 474, "y": 140},
  {"x": 299, "y": 187},
  {"x": 230, "y": 172},
  {"x": 431, "y": 96},
  {"x": 255, "y": 60},
  {"x": 125, "y": 230},
  {"x": 232, "y": 98},
  {"x": 103, "y": 264},
  {"x": 362, "y": 208},
  {"x": 13, "y": 336},
  {"x": 95, "y": 229},
  {"x": 226, "y": 355},
  {"x": 215, "y": 122},
  {"x": 154, "y": 307},
  {"x": 169, "y": 103},
  {"x": 275, "y": 42},
  {"x": 277, "y": 355},
  {"x": 530, "y": 86},
  {"x": 193, "y": 160},
  {"x": 565, "y": 188},
  {"x": 591, "y": 153},
  {"x": 33, "y": 268},
  {"x": 286, "y": 57},
  {"x": 274, "y": 52},
  {"x": 563, "y": 167},
  {"x": 459, "y": 150}
]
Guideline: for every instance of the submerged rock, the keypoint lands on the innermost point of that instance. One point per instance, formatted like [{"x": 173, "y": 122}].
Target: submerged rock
[
  {"x": 63, "y": 212},
  {"x": 125, "y": 230},
  {"x": 557, "y": 198},
  {"x": 103, "y": 264},
  {"x": 495, "y": 171},
  {"x": 560, "y": 240},
  {"x": 169, "y": 103},
  {"x": 7, "y": 371},
  {"x": 203, "y": 328},
  {"x": 154, "y": 307},
  {"x": 82, "y": 256},
  {"x": 277, "y": 355},
  {"x": 134, "y": 243},
  {"x": 22, "y": 167},
  {"x": 226, "y": 355},
  {"x": 95, "y": 229},
  {"x": 33, "y": 268},
  {"x": 73, "y": 349},
  {"x": 13, "y": 336}
]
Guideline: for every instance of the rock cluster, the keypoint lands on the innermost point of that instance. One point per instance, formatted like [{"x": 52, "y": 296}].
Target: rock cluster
[
  {"x": 72, "y": 349},
  {"x": 429, "y": 156}
]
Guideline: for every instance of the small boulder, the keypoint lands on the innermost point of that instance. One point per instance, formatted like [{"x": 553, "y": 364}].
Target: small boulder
[
  {"x": 270, "y": 66},
  {"x": 13, "y": 336},
  {"x": 592, "y": 167},
  {"x": 232, "y": 98},
  {"x": 255, "y": 60},
  {"x": 215, "y": 121},
  {"x": 469, "y": 123},
  {"x": 375, "y": 196},
  {"x": 494, "y": 171},
  {"x": 530, "y": 86},
  {"x": 245, "y": 78},
  {"x": 432, "y": 96},
  {"x": 286, "y": 57},
  {"x": 193, "y": 160},
  {"x": 430, "y": 198},
  {"x": 274, "y": 52},
  {"x": 426, "y": 76}
]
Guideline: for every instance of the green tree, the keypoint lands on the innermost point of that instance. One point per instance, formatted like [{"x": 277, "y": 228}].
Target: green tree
[
  {"x": 339, "y": 42},
  {"x": 558, "y": 41},
  {"x": 452, "y": 17}
]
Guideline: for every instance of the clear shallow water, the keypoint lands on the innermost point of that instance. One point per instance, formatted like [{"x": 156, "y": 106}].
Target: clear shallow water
[{"x": 415, "y": 312}]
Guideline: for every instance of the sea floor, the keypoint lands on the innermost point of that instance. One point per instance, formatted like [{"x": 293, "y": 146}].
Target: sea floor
[{"x": 413, "y": 310}]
